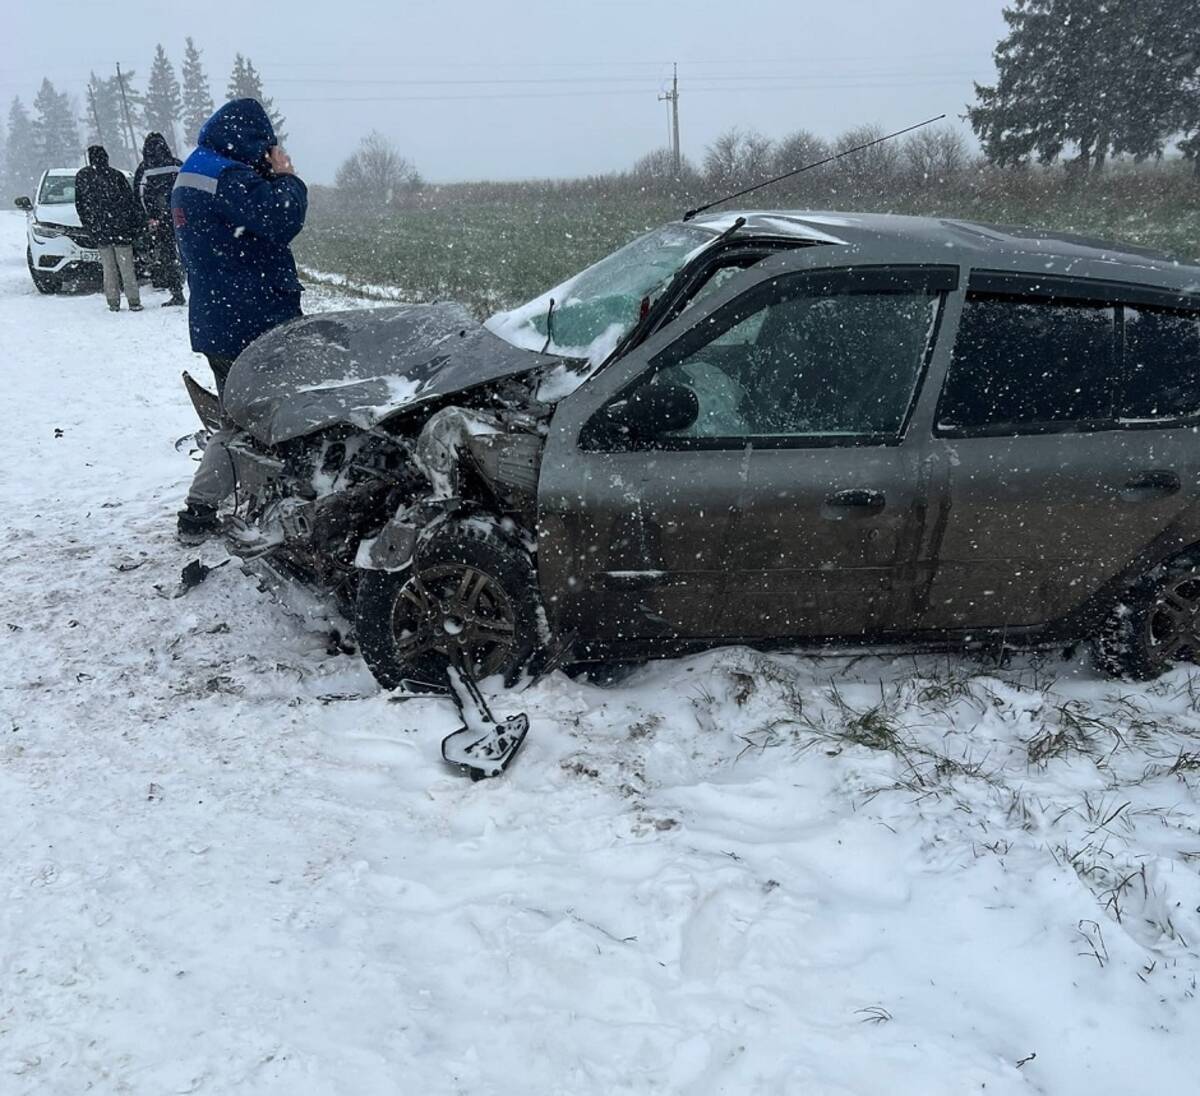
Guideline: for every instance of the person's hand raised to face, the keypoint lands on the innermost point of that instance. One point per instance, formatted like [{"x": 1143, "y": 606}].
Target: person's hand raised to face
[{"x": 279, "y": 161}]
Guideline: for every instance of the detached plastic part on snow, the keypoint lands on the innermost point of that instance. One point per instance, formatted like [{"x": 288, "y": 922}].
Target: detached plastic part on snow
[{"x": 481, "y": 748}]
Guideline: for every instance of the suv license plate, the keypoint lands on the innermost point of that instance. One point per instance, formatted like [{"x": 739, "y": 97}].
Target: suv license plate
[{"x": 89, "y": 256}]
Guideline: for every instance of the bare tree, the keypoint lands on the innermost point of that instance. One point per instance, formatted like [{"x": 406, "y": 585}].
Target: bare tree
[
  {"x": 738, "y": 158},
  {"x": 376, "y": 174},
  {"x": 870, "y": 171},
  {"x": 798, "y": 150},
  {"x": 658, "y": 167},
  {"x": 937, "y": 154}
]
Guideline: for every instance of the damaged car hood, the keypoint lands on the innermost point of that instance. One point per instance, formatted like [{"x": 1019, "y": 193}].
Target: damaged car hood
[{"x": 361, "y": 367}]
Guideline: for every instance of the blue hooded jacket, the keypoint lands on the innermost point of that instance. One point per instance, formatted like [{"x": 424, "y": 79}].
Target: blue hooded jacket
[{"x": 234, "y": 220}]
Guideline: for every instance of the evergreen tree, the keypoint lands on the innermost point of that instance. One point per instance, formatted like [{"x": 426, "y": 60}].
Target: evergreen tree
[
  {"x": 1095, "y": 78},
  {"x": 197, "y": 99},
  {"x": 1187, "y": 59},
  {"x": 56, "y": 134},
  {"x": 106, "y": 125},
  {"x": 20, "y": 152},
  {"x": 163, "y": 105},
  {"x": 245, "y": 83}
]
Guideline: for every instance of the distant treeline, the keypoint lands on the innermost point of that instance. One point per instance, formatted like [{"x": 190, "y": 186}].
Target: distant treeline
[
  {"x": 117, "y": 112},
  {"x": 496, "y": 244}
]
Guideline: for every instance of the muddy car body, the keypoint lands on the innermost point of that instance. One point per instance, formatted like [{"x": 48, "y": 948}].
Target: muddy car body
[{"x": 758, "y": 428}]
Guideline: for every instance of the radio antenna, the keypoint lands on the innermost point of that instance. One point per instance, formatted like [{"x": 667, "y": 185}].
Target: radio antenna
[{"x": 808, "y": 167}]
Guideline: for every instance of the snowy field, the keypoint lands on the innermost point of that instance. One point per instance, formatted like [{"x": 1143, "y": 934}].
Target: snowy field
[{"x": 233, "y": 866}]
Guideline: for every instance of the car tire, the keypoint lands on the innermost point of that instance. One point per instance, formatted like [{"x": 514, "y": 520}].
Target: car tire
[
  {"x": 43, "y": 282},
  {"x": 1155, "y": 624},
  {"x": 472, "y": 587}
]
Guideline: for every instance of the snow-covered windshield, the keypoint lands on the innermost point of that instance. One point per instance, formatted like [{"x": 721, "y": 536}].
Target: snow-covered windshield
[{"x": 594, "y": 310}]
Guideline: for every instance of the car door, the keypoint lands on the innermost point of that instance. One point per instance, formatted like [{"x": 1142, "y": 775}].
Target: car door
[
  {"x": 791, "y": 506},
  {"x": 1063, "y": 447}
]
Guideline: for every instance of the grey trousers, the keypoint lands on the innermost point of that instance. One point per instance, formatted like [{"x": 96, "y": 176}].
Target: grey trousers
[
  {"x": 215, "y": 480},
  {"x": 116, "y": 258}
]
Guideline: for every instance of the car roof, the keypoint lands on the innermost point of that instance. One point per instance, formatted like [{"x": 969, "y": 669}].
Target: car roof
[
  {"x": 890, "y": 237},
  {"x": 62, "y": 171}
]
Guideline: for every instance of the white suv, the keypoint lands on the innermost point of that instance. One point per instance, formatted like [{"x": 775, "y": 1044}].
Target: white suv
[{"x": 58, "y": 247}]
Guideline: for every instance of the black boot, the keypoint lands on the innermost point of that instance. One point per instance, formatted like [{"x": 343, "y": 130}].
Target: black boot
[
  {"x": 196, "y": 524},
  {"x": 177, "y": 299}
]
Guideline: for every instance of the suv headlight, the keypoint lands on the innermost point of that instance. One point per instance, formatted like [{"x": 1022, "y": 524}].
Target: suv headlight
[{"x": 46, "y": 232}]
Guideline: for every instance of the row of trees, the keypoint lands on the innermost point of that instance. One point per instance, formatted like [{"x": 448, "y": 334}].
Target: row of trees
[
  {"x": 117, "y": 113},
  {"x": 741, "y": 158}
]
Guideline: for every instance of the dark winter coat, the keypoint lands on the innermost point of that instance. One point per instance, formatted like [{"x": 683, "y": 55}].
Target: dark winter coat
[
  {"x": 105, "y": 201},
  {"x": 154, "y": 178},
  {"x": 234, "y": 220}
]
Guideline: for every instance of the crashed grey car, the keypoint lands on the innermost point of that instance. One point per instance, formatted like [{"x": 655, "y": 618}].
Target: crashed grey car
[{"x": 790, "y": 427}]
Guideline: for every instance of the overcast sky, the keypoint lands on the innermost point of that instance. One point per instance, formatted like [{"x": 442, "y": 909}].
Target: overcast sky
[{"x": 474, "y": 89}]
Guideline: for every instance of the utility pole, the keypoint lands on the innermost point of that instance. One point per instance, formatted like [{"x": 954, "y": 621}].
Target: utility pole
[
  {"x": 128, "y": 120},
  {"x": 672, "y": 97},
  {"x": 95, "y": 112}
]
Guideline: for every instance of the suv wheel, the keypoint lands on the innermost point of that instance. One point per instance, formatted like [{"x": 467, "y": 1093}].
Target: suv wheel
[
  {"x": 1156, "y": 623},
  {"x": 469, "y": 595},
  {"x": 43, "y": 282}
]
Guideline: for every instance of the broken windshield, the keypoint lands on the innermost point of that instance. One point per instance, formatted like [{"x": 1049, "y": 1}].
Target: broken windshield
[{"x": 595, "y": 309}]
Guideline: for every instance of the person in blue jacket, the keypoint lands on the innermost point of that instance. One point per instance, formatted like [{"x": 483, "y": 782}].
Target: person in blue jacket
[{"x": 237, "y": 204}]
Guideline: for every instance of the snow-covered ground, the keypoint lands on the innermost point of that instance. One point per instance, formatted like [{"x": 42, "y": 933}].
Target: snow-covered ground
[{"x": 231, "y": 865}]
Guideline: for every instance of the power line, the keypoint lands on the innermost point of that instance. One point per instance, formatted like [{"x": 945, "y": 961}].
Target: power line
[
  {"x": 822, "y": 58},
  {"x": 696, "y": 89},
  {"x": 488, "y": 81}
]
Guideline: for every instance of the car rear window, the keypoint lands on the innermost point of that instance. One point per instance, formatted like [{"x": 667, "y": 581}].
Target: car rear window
[
  {"x": 1161, "y": 376},
  {"x": 1022, "y": 364}
]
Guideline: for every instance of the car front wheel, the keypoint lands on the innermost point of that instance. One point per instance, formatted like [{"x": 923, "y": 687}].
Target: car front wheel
[
  {"x": 1155, "y": 625},
  {"x": 469, "y": 598}
]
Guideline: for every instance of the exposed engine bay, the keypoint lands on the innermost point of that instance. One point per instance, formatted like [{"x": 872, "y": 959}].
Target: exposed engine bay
[{"x": 324, "y": 506}]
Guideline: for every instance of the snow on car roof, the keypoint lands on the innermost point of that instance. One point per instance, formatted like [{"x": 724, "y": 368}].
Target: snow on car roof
[
  {"x": 62, "y": 171},
  {"x": 801, "y": 225},
  {"x": 1020, "y": 247}
]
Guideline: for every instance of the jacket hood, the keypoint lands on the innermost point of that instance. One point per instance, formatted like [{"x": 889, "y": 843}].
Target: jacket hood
[
  {"x": 156, "y": 152},
  {"x": 97, "y": 156},
  {"x": 361, "y": 367},
  {"x": 240, "y": 130}
]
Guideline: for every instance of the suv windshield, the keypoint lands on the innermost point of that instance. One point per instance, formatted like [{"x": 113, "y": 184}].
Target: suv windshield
[
  {"x": 594, "y": 310},
  {"x": 57, "y": 190}
]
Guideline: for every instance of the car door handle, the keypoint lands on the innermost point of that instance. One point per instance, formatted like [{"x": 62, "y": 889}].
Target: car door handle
[
  {"x": 1154, "y": 484},
  {"x": 856, "y": 501}
]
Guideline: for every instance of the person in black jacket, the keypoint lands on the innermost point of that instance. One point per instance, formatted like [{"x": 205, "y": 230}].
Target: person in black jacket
[
  {"x": 152, "y": 183},
  {"x": 108, "y": 211}
]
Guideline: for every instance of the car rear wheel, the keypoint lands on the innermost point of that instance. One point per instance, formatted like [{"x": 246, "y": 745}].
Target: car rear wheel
[
  {"x": 1155, "y": 625},
  {"x": 469, "y": 598},
  {"x": 43, "y": 282}
]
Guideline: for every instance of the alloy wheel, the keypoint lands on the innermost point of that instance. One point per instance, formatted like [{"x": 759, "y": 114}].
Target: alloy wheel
[
  {"x": 1173, "y": 623},
  {"x": 459, "y": 612}
]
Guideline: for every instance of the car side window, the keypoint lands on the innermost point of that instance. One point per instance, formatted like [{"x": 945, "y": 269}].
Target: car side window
[
  {"x": 1027, "y": 365},
  {"x": 809, "y": 365},
  {"x": 1161, "y": 375}
]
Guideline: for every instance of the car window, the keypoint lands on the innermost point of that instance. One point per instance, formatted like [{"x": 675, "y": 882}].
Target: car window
[
  {"x": 1021, "y": 363},
  {"x": 57, "y": 190},
  {"x": 1161, "y": 375},
  {"x": 810, "y": 365}
]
